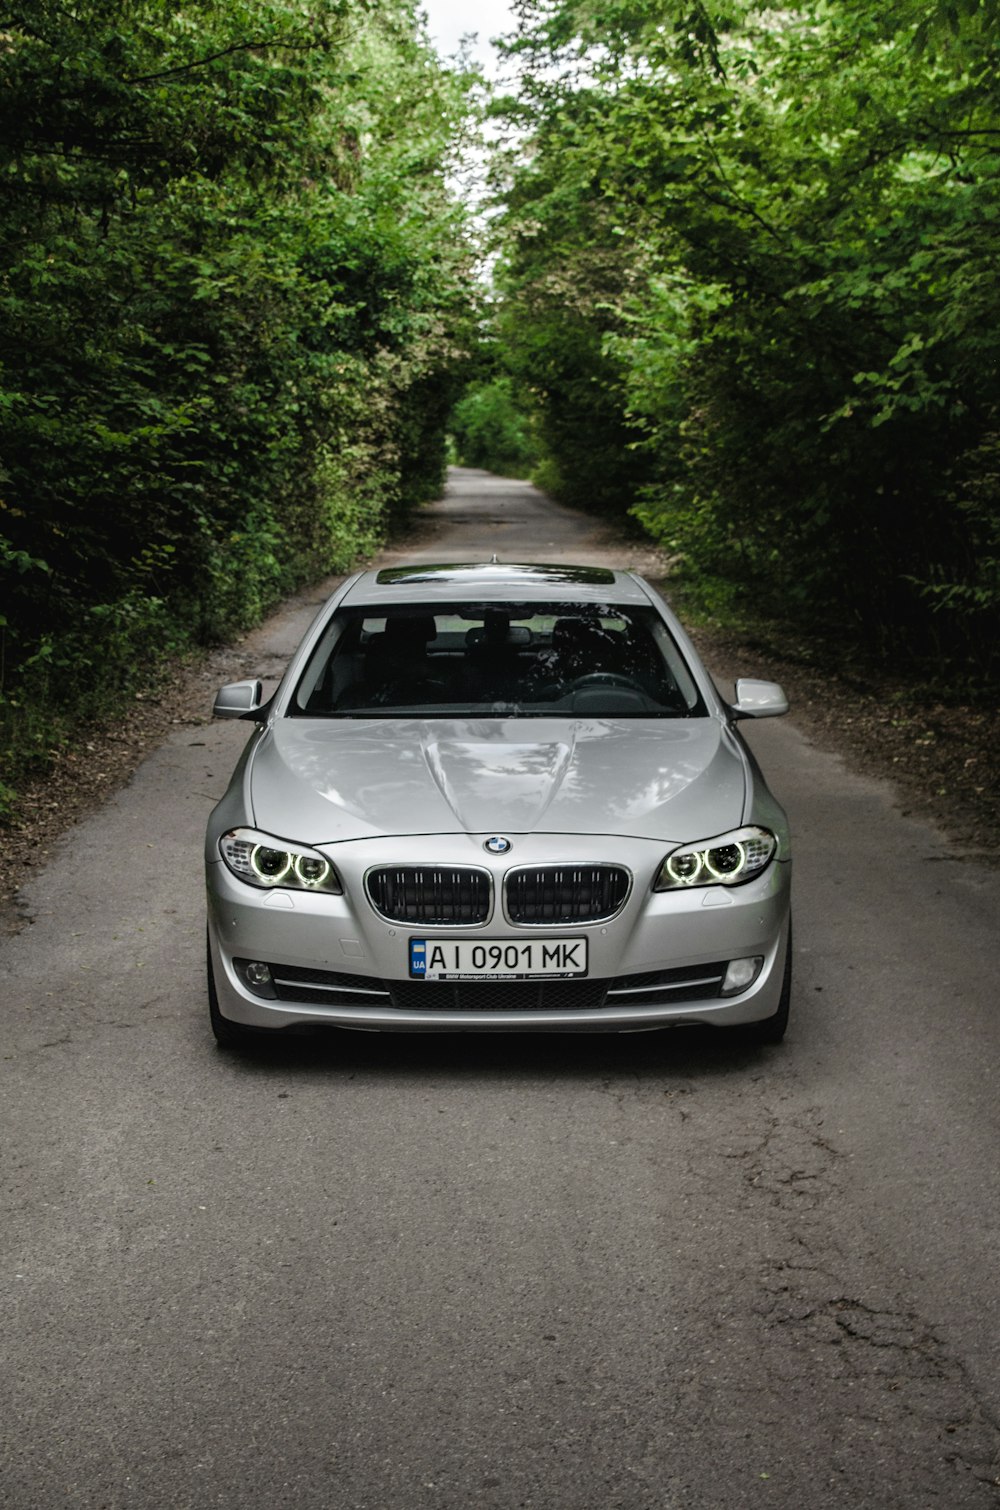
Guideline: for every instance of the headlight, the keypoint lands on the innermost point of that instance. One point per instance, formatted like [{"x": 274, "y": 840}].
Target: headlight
[
  {"x": 728, "y": 860},
  {"x": 263, "y": 861}
]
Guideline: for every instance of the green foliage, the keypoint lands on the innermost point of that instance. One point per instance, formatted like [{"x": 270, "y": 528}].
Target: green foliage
[
  {"x": 233, "y": 287},
  {"x": 767, "y": 243},
  {"x": 491, "y": 431}
]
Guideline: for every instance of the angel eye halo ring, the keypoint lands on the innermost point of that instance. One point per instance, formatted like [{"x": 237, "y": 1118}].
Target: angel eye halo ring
[
  {"x": 266, "y": 862},
  {"x": 728, "y": 860}
]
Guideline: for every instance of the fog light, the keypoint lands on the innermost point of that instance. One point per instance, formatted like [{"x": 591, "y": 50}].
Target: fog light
[
  {"x": 741, "y": 974},
  {"x": 257, "y": 976}
]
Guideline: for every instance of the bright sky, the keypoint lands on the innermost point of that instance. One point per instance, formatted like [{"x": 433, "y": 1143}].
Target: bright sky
[{"x": 449, "y": 20}]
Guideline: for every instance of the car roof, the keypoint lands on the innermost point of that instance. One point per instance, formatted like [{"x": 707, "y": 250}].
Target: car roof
[{"x": 494, "y": 581}]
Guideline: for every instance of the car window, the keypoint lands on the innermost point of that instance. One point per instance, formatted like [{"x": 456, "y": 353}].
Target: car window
[{"x": 492, "y": 660}]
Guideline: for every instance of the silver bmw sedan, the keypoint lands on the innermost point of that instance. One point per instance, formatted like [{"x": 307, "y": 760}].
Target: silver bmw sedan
[{"x": 492, "y": 798}]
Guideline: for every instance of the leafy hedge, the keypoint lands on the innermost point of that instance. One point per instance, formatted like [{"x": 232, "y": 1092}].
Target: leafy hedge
[
  {"x": 491, "y": 431},
  {"x": 233, "y": 297},
  {"x": 750, "y": 272}
]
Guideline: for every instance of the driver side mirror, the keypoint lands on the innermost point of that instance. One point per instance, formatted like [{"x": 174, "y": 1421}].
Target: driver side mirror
[{"x": 238, "y": 699}]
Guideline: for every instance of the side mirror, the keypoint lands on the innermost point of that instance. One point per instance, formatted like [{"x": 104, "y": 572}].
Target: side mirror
[
  {"x": 238, "y": 699},
  {"x": 756, "y": 699}
]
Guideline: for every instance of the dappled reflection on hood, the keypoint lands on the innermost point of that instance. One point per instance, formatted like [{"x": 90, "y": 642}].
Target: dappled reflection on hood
[{"x": 322, "y": 782}]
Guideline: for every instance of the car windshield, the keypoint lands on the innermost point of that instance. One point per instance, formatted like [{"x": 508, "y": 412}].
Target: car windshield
[{"x": 528, "y": 660}]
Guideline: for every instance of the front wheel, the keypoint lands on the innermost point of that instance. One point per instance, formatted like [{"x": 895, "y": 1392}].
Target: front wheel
[{"x": 228, "y": 1035}]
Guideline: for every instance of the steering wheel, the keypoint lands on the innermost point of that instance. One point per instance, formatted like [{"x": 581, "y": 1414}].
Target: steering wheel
[{"x": 603, "y": 679}]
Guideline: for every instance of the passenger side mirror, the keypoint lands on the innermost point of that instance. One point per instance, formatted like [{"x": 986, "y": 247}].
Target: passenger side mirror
[{"x": 756, "y": 699}]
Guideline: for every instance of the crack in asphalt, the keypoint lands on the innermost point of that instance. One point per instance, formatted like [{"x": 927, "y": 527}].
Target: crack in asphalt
[
  {"x": 878, "y": 1380},
  {"x": 879, "y": 1376},
  {"x": 901, "y": 1377}
]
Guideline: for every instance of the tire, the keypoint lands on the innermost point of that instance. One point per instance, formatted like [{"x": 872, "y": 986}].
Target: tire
[
  {"x": 772, "y": 1029},
  {"x": 228, "y": 1035}
]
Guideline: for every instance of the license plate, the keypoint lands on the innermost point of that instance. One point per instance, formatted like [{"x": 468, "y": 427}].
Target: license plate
[{"x": 497, "y": 959}]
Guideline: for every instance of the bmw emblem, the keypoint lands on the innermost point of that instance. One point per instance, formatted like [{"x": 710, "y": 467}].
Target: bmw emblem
[{"x": 497, "y": 845}]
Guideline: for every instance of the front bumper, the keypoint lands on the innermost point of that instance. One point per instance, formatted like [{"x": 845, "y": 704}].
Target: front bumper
[{"x": 659, "y": 962}]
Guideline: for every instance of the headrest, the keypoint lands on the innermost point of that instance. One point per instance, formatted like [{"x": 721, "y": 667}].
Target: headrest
[{"x": 409, "y": 628}]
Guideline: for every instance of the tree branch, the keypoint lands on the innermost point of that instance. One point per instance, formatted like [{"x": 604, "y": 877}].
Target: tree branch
[{"x": 168, "y": 73}]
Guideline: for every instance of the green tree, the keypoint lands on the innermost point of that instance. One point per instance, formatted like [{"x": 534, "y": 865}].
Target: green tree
[
  {"x": 799, "y": 323},
  {"x": 491, "y": 431},
  {"x": 233, "y": 290}
]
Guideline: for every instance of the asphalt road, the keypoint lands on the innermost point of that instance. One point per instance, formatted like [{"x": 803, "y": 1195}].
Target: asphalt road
[{"x": 572, "y": 1274}]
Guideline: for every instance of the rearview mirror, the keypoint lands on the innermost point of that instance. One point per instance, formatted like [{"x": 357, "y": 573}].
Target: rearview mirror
[
  {"x": 756, "y": 699},
  {"x": 237, "y": 699}
]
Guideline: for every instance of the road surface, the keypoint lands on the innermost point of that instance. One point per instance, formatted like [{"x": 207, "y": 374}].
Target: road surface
[{"x": 381, "y": 1273}]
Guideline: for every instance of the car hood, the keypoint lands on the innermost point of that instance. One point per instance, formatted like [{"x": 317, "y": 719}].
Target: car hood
[{"x": 324, "y": 782}]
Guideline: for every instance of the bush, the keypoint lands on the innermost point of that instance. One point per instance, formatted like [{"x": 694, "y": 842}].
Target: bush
[{"x": 490, "y": 431}]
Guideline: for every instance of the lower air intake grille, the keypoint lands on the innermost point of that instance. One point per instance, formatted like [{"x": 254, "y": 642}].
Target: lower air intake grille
[
  {"x": 428, "y": 894},
  {"x": 503, "y": 996},
  {"x": 660, "y": 987},
  {"x": 328, "y": 988},
  {"x": 336, "y": 989},
  {"x": 559, "y": 894}
]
